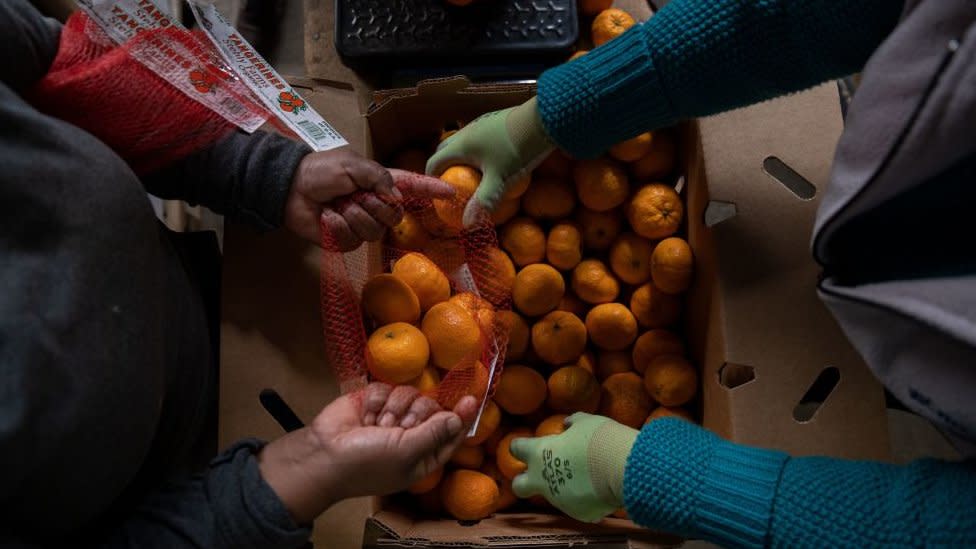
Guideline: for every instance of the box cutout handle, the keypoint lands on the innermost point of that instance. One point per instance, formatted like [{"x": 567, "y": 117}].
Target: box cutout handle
[
  {"x": 717, "y": 212},
  {"x": 731, "y": 376},
  {"x": 817, "y": 394},
  {"x": 787, "y": 176}
]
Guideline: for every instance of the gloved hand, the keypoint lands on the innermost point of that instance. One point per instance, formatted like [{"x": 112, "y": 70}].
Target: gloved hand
[
  {"x": 580, "y": 471},
  {"x": 505, "y": 145}
]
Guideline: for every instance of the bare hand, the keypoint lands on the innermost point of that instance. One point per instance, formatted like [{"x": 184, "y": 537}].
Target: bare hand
[
  {"x": 355, "y": 198},
  {"x": 374, "y": 442}
]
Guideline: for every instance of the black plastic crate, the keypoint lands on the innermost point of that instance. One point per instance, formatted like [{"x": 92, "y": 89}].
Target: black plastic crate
[{"x": 432, "y": 32}]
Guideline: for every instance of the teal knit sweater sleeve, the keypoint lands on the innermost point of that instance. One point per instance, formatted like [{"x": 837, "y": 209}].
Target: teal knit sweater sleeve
[
  {"x": 683, "y": 479},
  {"x": 700, "y": 57}
]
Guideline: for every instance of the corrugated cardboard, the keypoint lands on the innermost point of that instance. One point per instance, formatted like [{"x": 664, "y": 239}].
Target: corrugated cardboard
[
  {"x": 753, "y": 305},
  {"x": 752, "y": 309}
]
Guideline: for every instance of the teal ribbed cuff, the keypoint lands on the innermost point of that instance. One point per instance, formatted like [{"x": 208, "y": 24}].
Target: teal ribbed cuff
[
  {"x": 686, "y": 480},
  {"x": 737, "y": 493},
  {"x": 588, "y": 105}
]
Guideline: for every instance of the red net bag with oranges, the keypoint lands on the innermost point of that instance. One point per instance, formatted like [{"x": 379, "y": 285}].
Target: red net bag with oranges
[{"x": 423, "y": 309}]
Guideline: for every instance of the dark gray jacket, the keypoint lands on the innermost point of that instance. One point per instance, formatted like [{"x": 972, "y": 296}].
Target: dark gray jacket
[
  {"x": 895, "y": 231},
  {"x": 107, "y": 373}
]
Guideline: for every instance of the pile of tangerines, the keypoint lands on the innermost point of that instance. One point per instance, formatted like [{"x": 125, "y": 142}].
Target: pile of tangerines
[{"x": 592, "y": 261}]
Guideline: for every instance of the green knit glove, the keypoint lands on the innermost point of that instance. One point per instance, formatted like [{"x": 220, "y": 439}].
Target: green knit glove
[
  {"x": 580, "y": 471},
  {"x": 505, "y": 145}
]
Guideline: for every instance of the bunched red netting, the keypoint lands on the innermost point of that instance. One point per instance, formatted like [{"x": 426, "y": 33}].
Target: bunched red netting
[
  {"x": 103, "y": 88},
  {"x": 463, "y": 256}
]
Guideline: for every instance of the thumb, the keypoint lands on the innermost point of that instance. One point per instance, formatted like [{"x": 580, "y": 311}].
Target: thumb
[
  {"x": 485, "y": 200},
  {"x": 524, "y": 487},
  {"x": 438, "y": 436},
  {"x": 448, "y": 154}
]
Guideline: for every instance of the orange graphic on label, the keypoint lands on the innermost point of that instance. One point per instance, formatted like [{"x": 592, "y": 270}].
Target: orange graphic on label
[
  {"x": 290, "y": 102},
  {"x": 203, "y": 81}
]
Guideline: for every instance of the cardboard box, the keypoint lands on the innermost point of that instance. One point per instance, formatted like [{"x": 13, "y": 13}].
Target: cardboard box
[
  {"x": 753, "y": 320},
  {"x": 752, "y": 313}
]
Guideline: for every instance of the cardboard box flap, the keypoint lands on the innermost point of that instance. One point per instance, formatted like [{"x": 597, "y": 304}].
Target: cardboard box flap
[
  {"x": 778, "y": 336},
  {"x": 510, "y": 530},
  {"x": 399, "y": 118}
]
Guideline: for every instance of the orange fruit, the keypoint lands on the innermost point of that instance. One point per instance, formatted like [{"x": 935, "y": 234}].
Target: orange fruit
[
  {"x": 557, "y": 165},
  {"x": 518, "y": 334},
  {"x": 445, "y": 135},
  {"x": 601, "y": 183},
  {"x": 655, "y": 211},
  {"x": 549, "y": 199},
  {"x": 634, "y": 148},
  {"x": 491, "y": 416},
  {"x": 630, "y": 258},
  {"x": 609, "y": 24},
  {"x": 387, "y": 299},
  {"x": 428, "y": 381},
  {"x": 611, "y": 326},
  {"x": 524, "y": 240},
  {"x": 624, "y": 399},
  {"x": 517, "y": 188},
  {"x": 506, "y": 497},
  {"x": 621, "y": 513},
  {"x": 564, "y": 247},
  {"x": 538, "y": 289},
  {"x": 505, "y": 211},
  {"x": 600, "y": 229},
  {"x": 409, "y": 234},
  {"x": 552, "y": 425},
  {"x": 491, "y": 445},
  {"x": 572, "y": 304},
  {"x": 506, "y": 462},
  {"x": 454, "y": 335},
  {"x": 659, "y": 162},
  {"x": 462, "y": 381},
  {"x": 397, "y": 353},
  {"x": 653, "y": 344},
  {"x": 671, "y": 265},
  {"x": 480, "y": 309},
  {"x": 593, "y": 7},
  {"x": 654, "y": 308},
  {"x": 424, "y": 278},
  {"x": 593, "y": 283},
  {"x": 500, "y": 271},
  {"x": 469, "y": 495},
  {"x": 671, "y": 380},
  {"x": 427, "y": 483},
  {"x": 521, "y": 390},
  {"x": 411, "y": 160},
  {"x": 559, "y": 338},
  {"x": 465, "y": 180},
  {"x": 613, "y": 362},
  {"x": 587, "y": 361},
  {"x": 664, "y": 411},
  {"x": 577, "y": 55},
  {"x": 573, "y": 389},
  {"x": 468, "y": 457},
  {"x": 435, "y": 226}
]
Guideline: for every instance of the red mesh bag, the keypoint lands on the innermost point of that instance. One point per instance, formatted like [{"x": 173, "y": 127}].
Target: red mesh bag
[
  {"x": 106, "y": 89},
  {"x": 461, "y": 255}
]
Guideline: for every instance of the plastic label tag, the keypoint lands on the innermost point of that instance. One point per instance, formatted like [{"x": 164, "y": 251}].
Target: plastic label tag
[
  {"x": 191, "y": 68},
  {"x": 273, "y": 91},
  {"x": 465, "y": 280}
]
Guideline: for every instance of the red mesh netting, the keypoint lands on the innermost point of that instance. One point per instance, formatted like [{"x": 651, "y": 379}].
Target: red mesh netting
[
  {"x": 464, "y": 256},
  {"x": 102, "y": 88}
]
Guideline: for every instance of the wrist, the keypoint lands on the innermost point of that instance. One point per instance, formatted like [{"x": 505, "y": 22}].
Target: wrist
[
  {"x": 528, "y": 134},
  {"x": 295, "y": 467},
  {"x": 609, "y": 449}
]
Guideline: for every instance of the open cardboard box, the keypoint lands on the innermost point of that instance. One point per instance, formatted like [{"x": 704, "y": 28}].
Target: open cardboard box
[
  {"x": 753, "y": 321},
  {"x": 753, "y": 310}
]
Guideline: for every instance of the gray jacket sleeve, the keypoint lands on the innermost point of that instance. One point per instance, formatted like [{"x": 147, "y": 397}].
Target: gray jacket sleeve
[{"x": 245, "y": 177}]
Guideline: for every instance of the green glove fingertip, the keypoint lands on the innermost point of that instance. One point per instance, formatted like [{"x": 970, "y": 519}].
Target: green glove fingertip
[{"x": 522, "y": 486}]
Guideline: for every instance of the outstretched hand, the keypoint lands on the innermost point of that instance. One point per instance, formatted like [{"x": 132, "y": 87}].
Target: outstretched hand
[{"x": 373, "y": 442}]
